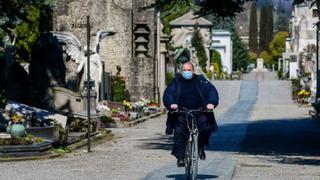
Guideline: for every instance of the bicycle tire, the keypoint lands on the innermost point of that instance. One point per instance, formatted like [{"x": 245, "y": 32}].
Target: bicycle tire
[
  {"x": 195, "y": 157},
  {"x": 188, "y": 159}
]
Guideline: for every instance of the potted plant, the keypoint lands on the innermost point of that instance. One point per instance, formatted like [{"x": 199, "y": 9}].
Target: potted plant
[
  {"x": 114, "y": 112},
  {"x": 108, "y": 121}
]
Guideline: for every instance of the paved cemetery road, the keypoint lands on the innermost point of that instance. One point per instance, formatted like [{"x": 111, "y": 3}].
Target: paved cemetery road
[
  {"x": 281, "y": 141},
  {"x": 262, "y": 135}
]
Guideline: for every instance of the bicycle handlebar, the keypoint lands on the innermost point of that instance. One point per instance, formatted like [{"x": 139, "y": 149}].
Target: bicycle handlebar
[{"x": 185, "y": 110}]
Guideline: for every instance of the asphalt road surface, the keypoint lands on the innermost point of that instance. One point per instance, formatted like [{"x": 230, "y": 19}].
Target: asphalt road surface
[{"x": 262, "y": 135}]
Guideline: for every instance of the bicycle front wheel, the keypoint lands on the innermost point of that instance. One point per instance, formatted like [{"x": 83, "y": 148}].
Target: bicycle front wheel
[
  {"x": 188, "y": 160},
  {"x": 195, "y": 157}
]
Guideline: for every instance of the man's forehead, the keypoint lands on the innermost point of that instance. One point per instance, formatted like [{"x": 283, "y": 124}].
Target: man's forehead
[{"x": 187, "y": 66}]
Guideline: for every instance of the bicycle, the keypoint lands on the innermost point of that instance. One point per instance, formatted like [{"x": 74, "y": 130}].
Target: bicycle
[{"x": 192, "y": 154}]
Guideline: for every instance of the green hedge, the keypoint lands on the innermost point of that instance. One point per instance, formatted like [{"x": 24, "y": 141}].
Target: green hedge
[{"x": 119, "y": 91}]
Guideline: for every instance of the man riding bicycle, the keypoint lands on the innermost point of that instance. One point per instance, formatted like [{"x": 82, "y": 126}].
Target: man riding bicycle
[{"x": 190, "y": 91}]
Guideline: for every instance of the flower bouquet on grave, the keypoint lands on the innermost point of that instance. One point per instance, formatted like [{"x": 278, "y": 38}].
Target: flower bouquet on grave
[
  {"x": 303, "y": 96},
  {"x": 16, "y": 119},
  {"x": 153, "y": 104},
  {"x": 141, "y": 105},
  {"x": 127, "y": 106}
]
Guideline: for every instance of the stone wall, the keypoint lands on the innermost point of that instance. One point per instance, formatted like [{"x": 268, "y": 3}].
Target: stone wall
[
  {"x": 114, "y": 50},
  {"x": 141, "y": 79},
  {"x": 119, "y": 49}
]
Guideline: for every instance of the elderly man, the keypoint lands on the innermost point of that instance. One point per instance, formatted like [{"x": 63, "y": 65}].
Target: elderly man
[{"x": 190, "y": 91}]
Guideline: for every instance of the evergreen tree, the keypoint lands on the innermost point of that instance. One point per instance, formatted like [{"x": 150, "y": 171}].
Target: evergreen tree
[
  {"x": 263, "y": 28},
  {"x": 216, "y": 59},
  {"x": 197, "y": 43},
  {"x": 269, "y": 30},
  {"x": 253, "y": 28},
  {"x": 282, "y": 23},
  {"x": 26, "y": 20},
  {"x": 216, "y": 63},
  {"x": 172, "y": 10},
  {"x": 266, "y": 26},
  {"x": 240, "y": 53}
]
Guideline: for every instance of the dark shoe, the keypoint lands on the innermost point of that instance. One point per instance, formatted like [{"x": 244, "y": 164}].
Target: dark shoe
[
  {"x": 180, "y": 162},
  {"x": 202, "y": 154}
]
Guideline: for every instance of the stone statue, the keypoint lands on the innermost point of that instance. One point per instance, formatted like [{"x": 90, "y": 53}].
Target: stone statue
[
  {"x": 79, "y": 55},
  {"x": 118, "y": 70}
]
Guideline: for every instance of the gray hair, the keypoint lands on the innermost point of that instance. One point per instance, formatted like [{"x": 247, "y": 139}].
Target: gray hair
[{"x": 188, "y": 62}]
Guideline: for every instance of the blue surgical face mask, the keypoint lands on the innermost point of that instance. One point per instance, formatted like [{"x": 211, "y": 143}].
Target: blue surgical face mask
[{"x": 187, "y": 74}]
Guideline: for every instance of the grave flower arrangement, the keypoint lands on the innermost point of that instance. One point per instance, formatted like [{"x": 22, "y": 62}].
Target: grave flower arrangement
[
  {"x": 303, "y": 96},
  {"x": 127, "y": 105},
  {"x": 16, "y": 118},
  {"x": 114, "y": 111},
  {"x": 141, "y": 105},
  {"x": 303, "y": 93}
]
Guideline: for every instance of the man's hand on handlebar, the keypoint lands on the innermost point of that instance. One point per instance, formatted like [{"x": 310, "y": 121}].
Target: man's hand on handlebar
[
  {"x": 174, "y": 106},
  {"x": 210, "y": 106}
]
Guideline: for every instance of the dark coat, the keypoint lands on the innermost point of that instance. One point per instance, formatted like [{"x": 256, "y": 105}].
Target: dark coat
[{"x": 206, "y": 90}]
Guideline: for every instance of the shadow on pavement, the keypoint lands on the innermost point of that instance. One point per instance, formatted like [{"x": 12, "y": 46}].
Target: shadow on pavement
[
  {"x": 300, "y": 137},
  {"x": 182, "y": 176},
  {"x": 290, "y": 141},
  {"x": 161, "y": 141},
  {"x": 297, "y": 160}
]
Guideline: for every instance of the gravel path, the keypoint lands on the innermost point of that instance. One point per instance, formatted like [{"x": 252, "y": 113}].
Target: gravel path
[{"x": 132, "y": 154}]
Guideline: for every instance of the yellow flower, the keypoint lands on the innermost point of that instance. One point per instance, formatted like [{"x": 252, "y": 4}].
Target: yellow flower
[
  {"x": 16, "y": 118},
  {"x": 127, "y": 105},
  {"x": 301, "y": 92}
]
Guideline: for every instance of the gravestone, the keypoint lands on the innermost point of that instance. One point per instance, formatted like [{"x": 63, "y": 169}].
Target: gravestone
[
  {"x": 260, "y": 64},
  {"x": 41, "y": 114}
]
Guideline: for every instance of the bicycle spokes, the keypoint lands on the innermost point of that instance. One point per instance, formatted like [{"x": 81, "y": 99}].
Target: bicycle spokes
[{"x": 192, "y": 157}]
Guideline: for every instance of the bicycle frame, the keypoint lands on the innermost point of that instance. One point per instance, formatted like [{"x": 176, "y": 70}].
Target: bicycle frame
[{"x": 192, "y": 155}]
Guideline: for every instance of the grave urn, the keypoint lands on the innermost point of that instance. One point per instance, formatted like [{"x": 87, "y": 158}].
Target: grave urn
[{"x": 16, "y": 130}]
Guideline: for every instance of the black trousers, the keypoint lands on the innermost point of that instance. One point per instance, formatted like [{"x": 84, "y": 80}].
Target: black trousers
[{"x": 181, "y": 134}]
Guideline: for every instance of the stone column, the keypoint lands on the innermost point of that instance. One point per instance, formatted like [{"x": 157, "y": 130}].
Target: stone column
[
  {"x": 280, "y": 61},
  {"x": 92, "y": 102},
  {"x": 162, "y": 67},
  {"x": 207, "y": 47},
  {"x": 93, "y": 113}
]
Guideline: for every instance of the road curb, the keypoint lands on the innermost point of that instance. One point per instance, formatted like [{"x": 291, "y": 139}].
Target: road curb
[
  {"x": 49, "y": 154},
  {"x": 140, "y": 120},
  {"x": 106, "y": 134}
]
